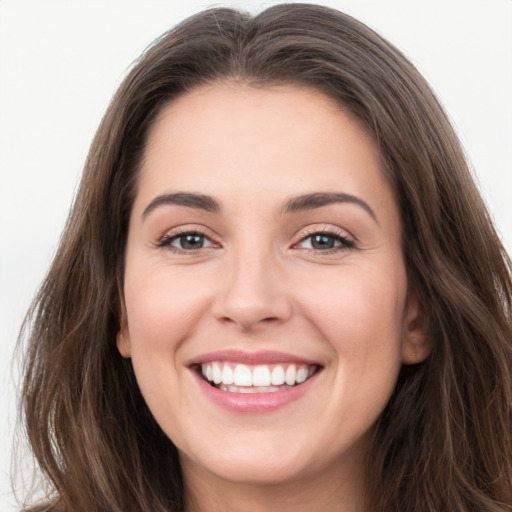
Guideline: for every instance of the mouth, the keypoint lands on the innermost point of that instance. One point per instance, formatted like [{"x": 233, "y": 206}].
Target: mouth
[{"x": 234, "y": 377}]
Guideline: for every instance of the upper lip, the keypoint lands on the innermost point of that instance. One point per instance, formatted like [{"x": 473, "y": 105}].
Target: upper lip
[{"x": 251, "y": 358}]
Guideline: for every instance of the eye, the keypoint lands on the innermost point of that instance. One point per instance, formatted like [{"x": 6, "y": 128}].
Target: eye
[
  {"x": 325, "y": 242},
  {"x": 186, "y": 242}
]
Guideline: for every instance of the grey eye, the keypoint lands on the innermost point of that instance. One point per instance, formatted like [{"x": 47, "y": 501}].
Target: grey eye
[
  {"x": 190, "y": 241},
  {"x": 322, "y": 242}
]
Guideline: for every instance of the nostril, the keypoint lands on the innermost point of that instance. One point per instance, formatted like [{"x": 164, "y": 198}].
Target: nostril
[
  {"x": 249, "y": 318},
  {"x": 251, "y": 297}
]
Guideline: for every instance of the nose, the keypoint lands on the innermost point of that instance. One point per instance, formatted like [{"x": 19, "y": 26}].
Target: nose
[{"x": 253, "y": 293}]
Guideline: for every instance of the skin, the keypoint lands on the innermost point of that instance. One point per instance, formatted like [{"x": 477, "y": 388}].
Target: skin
[{"x": 258, "y": 283}]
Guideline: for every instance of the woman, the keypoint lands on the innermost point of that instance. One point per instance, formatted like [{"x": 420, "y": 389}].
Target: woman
[{"x": 278, "y": 286}]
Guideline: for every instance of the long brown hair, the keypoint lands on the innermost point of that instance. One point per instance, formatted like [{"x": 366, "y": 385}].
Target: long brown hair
[{"x": 444, "y": 441}]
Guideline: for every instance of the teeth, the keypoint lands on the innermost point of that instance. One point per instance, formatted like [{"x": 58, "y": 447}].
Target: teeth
[
  {"x": 252, "y": 389},
  {"x": 217, "y": 374},
  {"x": 243, "y": 375},
  {"x": 228, "y": 376},
  {"x": 278, "y": 375},
  {"x": 290, "y": 375},
  {"x": 260, "y": 379},
  {"x": 261, "y": 376},
  {"x": 302, "y": 375}
]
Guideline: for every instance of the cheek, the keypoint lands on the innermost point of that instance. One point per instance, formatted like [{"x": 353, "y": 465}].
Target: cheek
[
  {"x": 163, "y": 306},
  {"x": 163, "y": 309},
  {"x": 359, "y": 311}
]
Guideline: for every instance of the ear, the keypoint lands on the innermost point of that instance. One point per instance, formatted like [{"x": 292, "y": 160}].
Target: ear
[
  {"x": 416, "y": 342},
  {"x": 123, "y": 335}
]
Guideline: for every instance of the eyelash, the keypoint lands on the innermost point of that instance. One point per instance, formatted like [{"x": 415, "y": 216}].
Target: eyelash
[
  {"x": 345, "y": 243},
  {"x": 166, "y": 241}
]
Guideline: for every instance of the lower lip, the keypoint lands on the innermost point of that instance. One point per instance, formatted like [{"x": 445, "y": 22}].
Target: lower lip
[{"x": 254, "y": 402}]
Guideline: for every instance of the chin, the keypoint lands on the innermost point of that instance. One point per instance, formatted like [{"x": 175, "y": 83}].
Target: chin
[{"x": 252, "y": 464}]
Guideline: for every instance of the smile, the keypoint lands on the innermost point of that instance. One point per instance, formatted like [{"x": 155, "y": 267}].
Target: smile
[{"x": 262, "y": 378}]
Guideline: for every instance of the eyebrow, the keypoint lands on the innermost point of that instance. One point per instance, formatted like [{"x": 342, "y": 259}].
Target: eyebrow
[
  {"x": 292, "y": 205},
  {"x": 191, "y": 200},
  {"x": 319, "y": 199}
]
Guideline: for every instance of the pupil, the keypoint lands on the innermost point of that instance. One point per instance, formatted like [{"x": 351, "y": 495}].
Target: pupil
[
  {"x": 192, "y": 241},
  {"x": 322, "y": 242}
]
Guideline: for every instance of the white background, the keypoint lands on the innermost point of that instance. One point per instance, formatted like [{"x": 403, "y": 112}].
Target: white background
[{"x": 60, "y": 62}]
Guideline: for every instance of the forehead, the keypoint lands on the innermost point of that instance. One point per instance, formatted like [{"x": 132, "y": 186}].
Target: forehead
[
  {"x": 230, "y": 139},
  {"x": 251, "y": 111}
]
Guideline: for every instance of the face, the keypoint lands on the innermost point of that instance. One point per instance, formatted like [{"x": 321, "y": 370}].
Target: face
[{"x": 265, "y": 294}]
